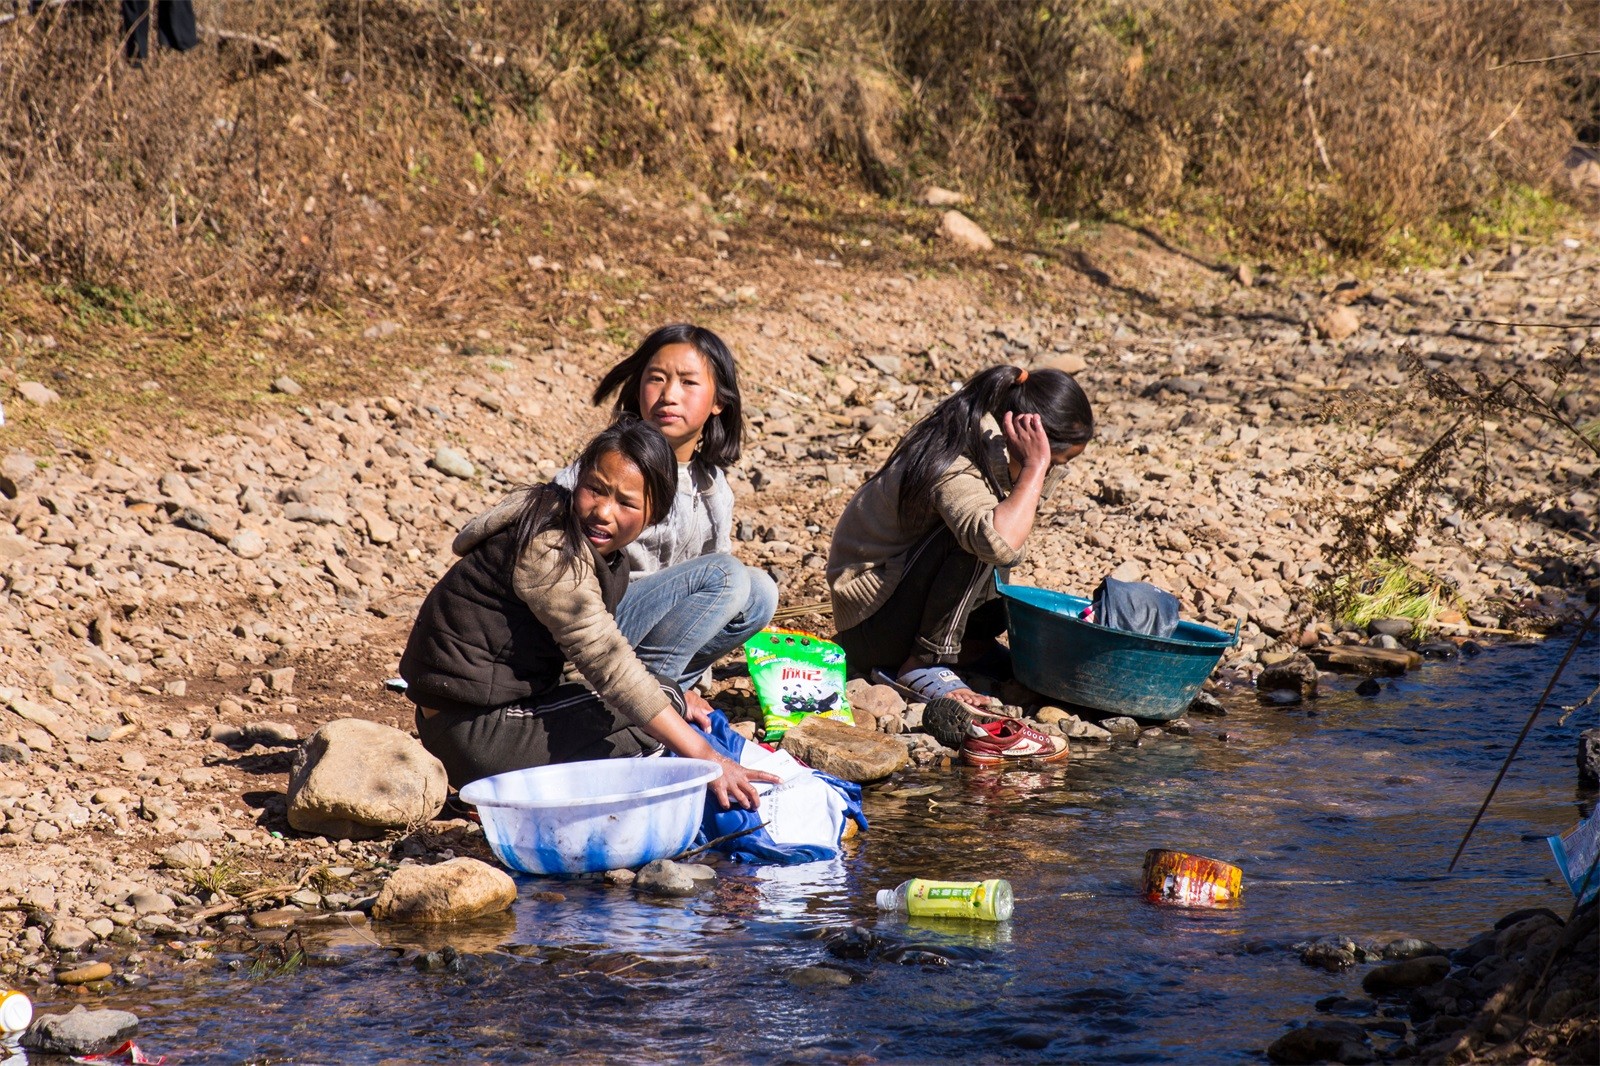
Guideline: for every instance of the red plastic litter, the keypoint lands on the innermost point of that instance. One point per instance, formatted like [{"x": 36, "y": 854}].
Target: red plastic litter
[{"x": 128, "y": 1053}]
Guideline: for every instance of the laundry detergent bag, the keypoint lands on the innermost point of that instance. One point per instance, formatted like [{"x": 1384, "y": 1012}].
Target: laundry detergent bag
[{"x": 796, "y": 674}]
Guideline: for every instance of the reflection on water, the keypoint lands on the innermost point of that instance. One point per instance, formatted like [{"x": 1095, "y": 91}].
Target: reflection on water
[{"x": 1343, "y": 815}]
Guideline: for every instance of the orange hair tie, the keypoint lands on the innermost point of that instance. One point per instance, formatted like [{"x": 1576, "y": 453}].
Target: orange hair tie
[{"x": 1022, "y": 375}]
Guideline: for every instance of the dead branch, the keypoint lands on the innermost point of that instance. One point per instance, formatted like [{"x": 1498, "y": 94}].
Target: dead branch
[{"x": 1546, "y": 59}]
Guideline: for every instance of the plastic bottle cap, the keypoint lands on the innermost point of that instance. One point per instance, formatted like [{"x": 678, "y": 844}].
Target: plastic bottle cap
[
  {"x": 886, "y": 899},
  {"x": 15, "y": 1011}
]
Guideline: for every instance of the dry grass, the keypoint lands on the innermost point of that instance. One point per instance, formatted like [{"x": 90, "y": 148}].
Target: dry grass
[{"x": 351, "y": 159}]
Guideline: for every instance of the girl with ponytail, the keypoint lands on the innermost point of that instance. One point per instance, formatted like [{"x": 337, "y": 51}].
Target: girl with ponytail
[{"x": 911, "y": 568}]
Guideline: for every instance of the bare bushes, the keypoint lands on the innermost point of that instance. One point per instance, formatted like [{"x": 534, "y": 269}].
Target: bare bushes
[
  {"x": 1362, "y": 130},
  {"x": 338, "y": 146}
]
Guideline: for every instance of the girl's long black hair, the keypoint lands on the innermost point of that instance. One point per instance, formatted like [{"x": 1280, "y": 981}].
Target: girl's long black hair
[
  {"x": 723, "y": 434},
  {"x": 636, "y": 440},
  {"x": 954, "y": 428}
]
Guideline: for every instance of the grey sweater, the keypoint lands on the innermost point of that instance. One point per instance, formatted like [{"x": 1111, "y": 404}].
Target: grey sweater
[{"x": 700, "y": 522}]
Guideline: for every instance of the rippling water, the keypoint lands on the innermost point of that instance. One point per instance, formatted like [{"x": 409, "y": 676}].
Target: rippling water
[{"x": 1343, "y": 813}]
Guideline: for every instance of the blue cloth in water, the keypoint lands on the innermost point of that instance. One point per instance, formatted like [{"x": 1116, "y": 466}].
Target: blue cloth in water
[
  {"x": 759, "y": 846},
  {"x": 1135, "y": 607}
]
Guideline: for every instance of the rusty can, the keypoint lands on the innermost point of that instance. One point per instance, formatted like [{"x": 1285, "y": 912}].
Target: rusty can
[{"x": 1190, "y": 880}]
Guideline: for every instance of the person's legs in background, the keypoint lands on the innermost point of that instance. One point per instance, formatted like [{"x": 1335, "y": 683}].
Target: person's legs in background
[
  {"x": 175, "y": 27},
  {"x": 136, "y": 29}
]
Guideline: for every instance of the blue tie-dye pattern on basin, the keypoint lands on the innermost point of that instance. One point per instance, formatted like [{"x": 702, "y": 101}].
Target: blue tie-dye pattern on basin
[{"x": 585, "y": 817}]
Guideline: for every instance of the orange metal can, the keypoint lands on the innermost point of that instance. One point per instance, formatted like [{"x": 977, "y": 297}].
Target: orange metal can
[{"x": 1190, "y": 880}]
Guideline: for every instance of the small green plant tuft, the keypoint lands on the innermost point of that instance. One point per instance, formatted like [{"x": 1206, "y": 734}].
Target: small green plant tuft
[{"x": 1389, "y": 588}]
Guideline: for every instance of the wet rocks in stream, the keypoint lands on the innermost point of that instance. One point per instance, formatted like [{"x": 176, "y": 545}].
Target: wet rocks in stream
[
  {"x": 1523, "y": 990},
  {"x": 1322, "y": 1041},
  {"x": 457, "y": 890},
  {"x": 858, "y": 943},
  {"x": 80, "y": 1031},
  {"x": 666, "y": 878},
  {"x": 1589, "y": 758}
]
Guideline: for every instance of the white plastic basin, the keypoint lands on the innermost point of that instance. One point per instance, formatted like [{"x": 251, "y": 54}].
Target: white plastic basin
[{"x": 584, "y": 817}]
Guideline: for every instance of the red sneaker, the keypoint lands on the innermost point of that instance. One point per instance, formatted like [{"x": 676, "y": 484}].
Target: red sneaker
[{"x": 1010, "y": 740}]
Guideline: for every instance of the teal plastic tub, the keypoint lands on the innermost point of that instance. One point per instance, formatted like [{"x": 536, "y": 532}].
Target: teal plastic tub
[{"x": 1058, "y": 654}]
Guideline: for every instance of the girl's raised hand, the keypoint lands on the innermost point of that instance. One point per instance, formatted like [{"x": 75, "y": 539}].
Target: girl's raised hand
[{"x": 1026, "y": 439}]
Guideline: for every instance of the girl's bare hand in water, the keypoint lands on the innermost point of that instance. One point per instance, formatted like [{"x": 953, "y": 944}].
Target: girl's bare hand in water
[
  {"x": 1026, "y": 440},
  {"x": 737, "y": 785}
]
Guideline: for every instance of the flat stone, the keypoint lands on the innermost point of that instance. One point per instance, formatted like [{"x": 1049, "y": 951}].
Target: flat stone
[
  {"x": 874, "y": 700},
  {"x": 70, "y": 936},
  {"x": 1337, "y": 323},
  {"x": 1409, "y": 947},
  {"x": 1399, "y": 628},
  {"x": 1322, "y": 1042},
  {"x": 37, "y": 394},
  {"x": 845, "y": 752},
  {"x": 17, "y": 471},
  {"x": 454, "y": 891},
  {"x": 1353, "y": 658},
  {"x": 1406, "y": 975},
  {"x": 288, "y": 386},
  {"x": 276, "y": 918},
  {"x": 356, "y": 780},
  {"x": 820, "y": 977},
  {"x": 447, "y": 460},
  {"x": 80, "y": 1032},
  {"x": 82, "y": 975},
  {"x": 663, "y": 877},
  {"x": 149, "y": 901},
  {"x": 1295, "y": 673},
  {"x": 962, "y": 231},
  {"x": 1120, "y": 724},
  {"x": 934, "y": 196},
  {"x": 247, "y": 544}
]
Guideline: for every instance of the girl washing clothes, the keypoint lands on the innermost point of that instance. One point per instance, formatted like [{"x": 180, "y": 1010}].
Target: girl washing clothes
[
  {"x": 682, "y": 378},
  {"x": 539, "y": 578},
  {"x": 911, "y": 568}
]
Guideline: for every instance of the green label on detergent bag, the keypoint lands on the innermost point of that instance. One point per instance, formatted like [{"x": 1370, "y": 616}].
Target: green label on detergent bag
[{"x": 796, "y": 674}]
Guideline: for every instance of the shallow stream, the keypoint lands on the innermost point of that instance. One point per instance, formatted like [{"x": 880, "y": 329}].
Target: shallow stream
[{"x": 1343, "y": 814}]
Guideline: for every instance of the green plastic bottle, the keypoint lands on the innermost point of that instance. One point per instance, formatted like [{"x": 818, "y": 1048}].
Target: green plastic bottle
[{"x": 989, "y": 901}]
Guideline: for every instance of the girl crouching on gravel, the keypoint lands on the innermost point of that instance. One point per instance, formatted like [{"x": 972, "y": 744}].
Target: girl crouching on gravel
[
  {"x": 538, "y": 579},
  {"x": 912, "y": 563},
  {"x": 682, "y": 378}
]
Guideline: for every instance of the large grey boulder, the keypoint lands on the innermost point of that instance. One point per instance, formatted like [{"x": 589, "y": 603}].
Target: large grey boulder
[
  {"x": 356, "y": 780},
  {"x": 80, "y": 1031}
]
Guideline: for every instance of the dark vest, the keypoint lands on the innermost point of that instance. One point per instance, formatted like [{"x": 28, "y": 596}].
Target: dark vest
[{"x": 476, "y": 645}]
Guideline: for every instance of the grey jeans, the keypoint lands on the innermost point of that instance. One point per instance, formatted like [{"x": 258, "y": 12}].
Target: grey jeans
[{"x": 682, "y": 619}]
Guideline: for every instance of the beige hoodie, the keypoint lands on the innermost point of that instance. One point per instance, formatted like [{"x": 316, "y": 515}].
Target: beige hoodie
[{"x": 872, "y": 542}]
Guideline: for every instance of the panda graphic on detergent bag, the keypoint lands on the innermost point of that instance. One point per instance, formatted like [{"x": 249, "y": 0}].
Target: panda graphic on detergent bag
[{"x": 796, "y": 674}]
